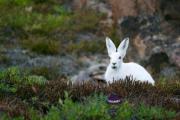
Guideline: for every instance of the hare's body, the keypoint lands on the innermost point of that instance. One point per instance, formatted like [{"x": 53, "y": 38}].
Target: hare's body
[
  {"x": 117, "y": 69},
  {"x": 128, "y": 69}
]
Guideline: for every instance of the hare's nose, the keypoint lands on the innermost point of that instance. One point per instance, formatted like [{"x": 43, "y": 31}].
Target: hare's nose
[{"x": 114, "y": 63}]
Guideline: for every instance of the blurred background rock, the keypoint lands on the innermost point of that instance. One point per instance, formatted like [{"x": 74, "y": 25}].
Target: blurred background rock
[{"x": 67, "y": 37}]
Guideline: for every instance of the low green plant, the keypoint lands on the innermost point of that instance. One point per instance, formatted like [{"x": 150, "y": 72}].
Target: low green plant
[
  {"x": 95, "y": 107},
  {"x": 154, "y": 113},
  {"x": 6, "y": 117},
  {"x": 48, "y": 72},
  {"x": 16, "y": 2},
  {"x": 42, "y": 45},
  {"x": 125, "y": 111},
  {"x": 53, "y": 114},
  {"x": 46, "y": 47},
  {"x": 86, "y": 46},
  {"x": 34, "y": 79},
  {"x": 30, "y": 21},
  {"x": 7, "y": 88},
  {"x": 4, "y": 59},
  {"x": 87, "y": 20},
  {"x": 13, "y": 76}
]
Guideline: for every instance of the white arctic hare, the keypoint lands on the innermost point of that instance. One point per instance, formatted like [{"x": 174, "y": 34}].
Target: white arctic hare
[{"x": 117, "y": 69}]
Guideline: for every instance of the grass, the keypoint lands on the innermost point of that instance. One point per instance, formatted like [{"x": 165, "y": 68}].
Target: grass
[
  {"x": 43, "y": 46},
  {"x": 50, "y": 23},
  {"x": 16, "y": 76},
  {"x": 95, "y": 107},
  {"x": 4, "y": 59},
  {"x": 49, "y": 73},
  {"x": 28, "y": 96},
  {"x": 86, "y": 47}
]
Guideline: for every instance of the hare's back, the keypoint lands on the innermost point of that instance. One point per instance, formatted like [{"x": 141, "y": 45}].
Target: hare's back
[{"x": 137, "y": 71}]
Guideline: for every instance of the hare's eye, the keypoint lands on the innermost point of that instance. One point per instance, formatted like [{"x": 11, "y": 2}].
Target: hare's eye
[{"x": 119, "y": 57}]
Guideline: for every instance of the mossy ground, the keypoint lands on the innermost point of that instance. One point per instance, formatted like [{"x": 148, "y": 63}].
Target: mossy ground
[
  {"x": 28, "y": 96},
  {"x": 45, "y": 27}
]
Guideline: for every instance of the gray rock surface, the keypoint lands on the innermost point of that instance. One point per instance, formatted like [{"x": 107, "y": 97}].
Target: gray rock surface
[{"x": 95, "y": 73}]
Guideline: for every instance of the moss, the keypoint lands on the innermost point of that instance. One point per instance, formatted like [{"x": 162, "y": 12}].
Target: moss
[
  {"x": 49, "y": 73},
  {"x": 34, "y": 79},
  {"x": 25, "y": 21},
  {"x": 82, "y": 21},
  {"x": 158, "y": 60},
  {"x": 33, "y": 19},
  {"x": 46, "y": 22},
  {"x": 29, "y": 19},
  {"x": 86, "y": 47},
  {"x": 15, "y": 2},
  {"x": 46, "y": 47},
  {"x": 4, "y": 59},
  {"x": 42, "y": 45}
]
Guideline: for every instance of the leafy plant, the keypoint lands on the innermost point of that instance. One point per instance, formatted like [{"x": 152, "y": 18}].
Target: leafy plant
[
  {"x": 16, "y": 2},
  {"x": 53, "y": 114},
  {"x": 34, "y": 79},
  {"x": 87, "y": 46},
  {"x": 6, "y": 88},
  {"x": 125, "y": 111},
  {"x": 151, "y": 113},
  {"x": 13, "y": 76}
]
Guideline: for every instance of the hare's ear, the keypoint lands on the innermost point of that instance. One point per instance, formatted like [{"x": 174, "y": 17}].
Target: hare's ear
[
  {"x": 110, "y": 46},
  {"x": 123, "y": 46}
]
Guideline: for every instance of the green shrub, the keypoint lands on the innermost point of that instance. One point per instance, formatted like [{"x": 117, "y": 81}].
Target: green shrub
[
  {"x": 46, "y": 47},
  {"x": 86, "y": 47},
  {"x": 34, "y": 79},
  {"x": 22, "y": 2},
  {"x": 42, "y": 45},
  {"x": 6, "y": 88},
  {"x": 125, "y": 111},
  {"x": 93, "y": 108},
  {"x": 15, "y": 2},
  {"x": 53, "y": 114},
  {"x": 96, "y": 108},
  {"x": 4, "y": 59},
  {"x": 86, "y": 101},
  {"x": 81, "y": 22},
  {"x": 154, "y": 113},
  {"x": 30, "y": 21},
  {"x": 49, "y": 73},
  {"x": 13, "y": 76}
]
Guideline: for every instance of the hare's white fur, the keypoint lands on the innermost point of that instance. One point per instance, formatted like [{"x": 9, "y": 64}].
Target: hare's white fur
[{"x": 117, "y": 69}]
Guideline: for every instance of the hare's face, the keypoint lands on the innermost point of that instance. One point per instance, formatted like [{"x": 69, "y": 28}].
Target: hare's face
[
  {"x": 116, "y": 54},
  {"x": 116, "y": 60}
]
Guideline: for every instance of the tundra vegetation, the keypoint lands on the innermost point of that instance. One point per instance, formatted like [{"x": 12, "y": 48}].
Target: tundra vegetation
[{"x": 40, "y": 93}]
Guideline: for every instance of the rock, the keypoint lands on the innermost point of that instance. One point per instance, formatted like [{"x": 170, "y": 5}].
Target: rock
[
  {"x": 170, "y": 11},
  {"x": 93, "y": 73},
  {"x": 168, "y": 72},
  {"x": 15, "y": 56},
  {"x": 86, "y": 37},
  {"x": 177, "y": 116},
  {"x": 151, "y": 42},
  {"x": 175, "y": 56},
  {"x": 66, "y": 65},
  {"x": 96, "y": 5}
]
